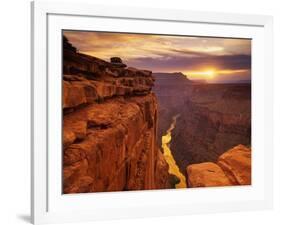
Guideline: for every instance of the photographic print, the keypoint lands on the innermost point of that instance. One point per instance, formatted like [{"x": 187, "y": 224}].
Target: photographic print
[{"x": 151, "y": 111}]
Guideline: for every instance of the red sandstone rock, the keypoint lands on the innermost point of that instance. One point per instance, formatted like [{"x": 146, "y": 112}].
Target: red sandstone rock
[
  {"x": 73, "y": 95},
  {"x": 78, "y": 92},
  {"x": 109, "y": 127},
  {"x": 161, "y": 173},
  {"x": 116, "y": 61},
  {"x": 119, "y": 146},
  {"x": 88, "y": 79},
  {"x": 206, "y": 175},
  {"x": 236, "y": 163},
  {"x": 233, "y": 168},
  {"x": 68, "y": 138}
]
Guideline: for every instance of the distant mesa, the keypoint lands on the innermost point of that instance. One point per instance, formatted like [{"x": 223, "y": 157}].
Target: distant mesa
[
  {"x": 234, "y": 82},
  {"x": 199, "y": 81},
  {"x": 175, "y": 77},
  {"x": 243, "y": 82},
  {"x": 178, "y": 76}
]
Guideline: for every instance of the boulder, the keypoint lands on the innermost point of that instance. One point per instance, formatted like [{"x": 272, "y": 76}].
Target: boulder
[
  {"x": 233, "y": 168},
  {"x": 236, "y": 164},
  {"x": 206, "y": 174},
  {"x": 116, "y": 61}
]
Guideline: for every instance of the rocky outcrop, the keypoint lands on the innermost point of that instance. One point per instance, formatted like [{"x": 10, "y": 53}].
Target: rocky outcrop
[
  {"x": 236, "y": 163},
  {"x": 206, "y": 174},
  {"x": 109, "y": 127},
  {"x": 232, "y": 168},
  {"x": 116, "y": 61}
]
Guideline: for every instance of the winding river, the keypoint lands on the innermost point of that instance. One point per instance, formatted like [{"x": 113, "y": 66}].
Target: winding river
[{"x": 173, "y": 167}]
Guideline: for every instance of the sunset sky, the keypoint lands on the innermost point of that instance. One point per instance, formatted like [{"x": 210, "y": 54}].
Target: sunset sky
[{"x": 211, "y": 59}]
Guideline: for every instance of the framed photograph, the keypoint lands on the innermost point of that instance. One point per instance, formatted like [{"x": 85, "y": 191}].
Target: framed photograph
[{"x": 142, "y": 112}]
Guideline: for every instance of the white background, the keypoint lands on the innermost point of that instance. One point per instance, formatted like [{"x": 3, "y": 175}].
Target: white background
[{"x": 15, "y": 109}]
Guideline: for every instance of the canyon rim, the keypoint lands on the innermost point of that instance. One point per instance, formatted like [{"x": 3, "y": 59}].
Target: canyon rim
[{"x": 148, "y": 112}]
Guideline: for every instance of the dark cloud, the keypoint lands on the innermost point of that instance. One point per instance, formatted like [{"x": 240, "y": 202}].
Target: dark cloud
[
  {"x": 222, "y": 62},
  {"x": 191, "y": 53}
]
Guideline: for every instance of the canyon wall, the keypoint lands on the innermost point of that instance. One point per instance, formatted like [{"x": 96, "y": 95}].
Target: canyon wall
[
  {"x": 214, "y": 118},
  {"x": 113, "y": 126},
  {"x": 110, "y": 119},
  {"x": 170, "y": 90}
]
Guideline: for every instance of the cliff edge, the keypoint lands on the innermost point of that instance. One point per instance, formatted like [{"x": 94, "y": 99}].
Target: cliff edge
[{"x": 109, "y": 126}]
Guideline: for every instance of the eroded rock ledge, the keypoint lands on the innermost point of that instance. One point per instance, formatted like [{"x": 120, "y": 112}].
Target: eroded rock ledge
[
  {"x": 232, "y": 168},
  {"x": 109, "y": 127}
]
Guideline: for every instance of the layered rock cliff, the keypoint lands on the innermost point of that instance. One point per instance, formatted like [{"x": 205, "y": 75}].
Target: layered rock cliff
[
  {"x": 109, "y": 126},
  {"x": 214, "y": 118},
  {"x": 232, "y": 168},
  {"x": 171, "y": 90}
]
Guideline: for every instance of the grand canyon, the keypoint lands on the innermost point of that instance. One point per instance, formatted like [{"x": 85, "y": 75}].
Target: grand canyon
[{"x": 128, "y": 127}]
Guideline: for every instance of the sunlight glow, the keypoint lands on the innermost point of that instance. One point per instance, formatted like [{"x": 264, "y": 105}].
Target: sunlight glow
[
  {"x": 211, "y": 73},
  {"x": 206, "y": 74}
]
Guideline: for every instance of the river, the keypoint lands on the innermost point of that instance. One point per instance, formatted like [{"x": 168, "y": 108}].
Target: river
[{"x": 173, "y": 167}]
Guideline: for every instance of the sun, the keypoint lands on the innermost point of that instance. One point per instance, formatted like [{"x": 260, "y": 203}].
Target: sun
[
  {"x": 209, "y": 73},
  {"x": 204, "y": 73}
]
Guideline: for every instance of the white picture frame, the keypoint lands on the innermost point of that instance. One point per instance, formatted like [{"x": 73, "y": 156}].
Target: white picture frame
[{"x": 48, "y": 205}]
